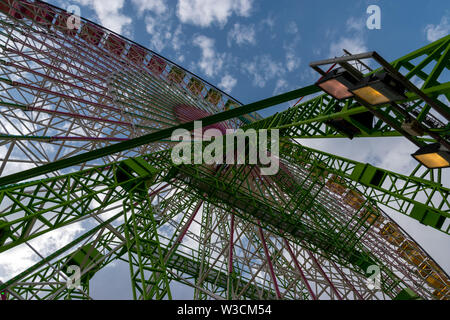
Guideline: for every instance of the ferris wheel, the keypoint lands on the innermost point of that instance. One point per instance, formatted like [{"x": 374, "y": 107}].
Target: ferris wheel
[{"x": 85, "y": 122}]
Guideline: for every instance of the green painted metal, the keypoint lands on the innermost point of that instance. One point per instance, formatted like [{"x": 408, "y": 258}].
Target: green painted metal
[
  {"x": 314, "y": 118},
  {"x": 55, "y": 254},
  {"x": 340, "y": 247},
  {"x": 187, "y": 264},
  {"x": 407, "y": 294},
  {"x": 399, "y": 192},
  {"x": 228, "y": 189},
  {"x": 155, "y": 136}
]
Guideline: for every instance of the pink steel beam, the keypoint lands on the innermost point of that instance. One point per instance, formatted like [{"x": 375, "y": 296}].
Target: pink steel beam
[
  {"x": 49, "y": 66},
  {"x": 61, "y": 95},
  {"x": 97, "y": 73},
  {"x": 52, "y": 79},
  {"x": 347, "y": 281},
  {"x": 108, "y": 66},
  {"x": 230, "y": 258},
  {"x": 183, "y": 232},
  {"x": 158, "y": 190},
  {"x": 272, "y": 273},
  {"x": 59, "y": 138},
  {"x": 105, "y": 64},
  {"x": 90, "y": 56},
  {"x": 97, "y": 76},
  {"x": 302, "y": 275},
  {"x": 155, "y": 192},
  {"x": 333, "y": 288},
  {"x": 188, "y": 224},
  {"x": 77, "y": 115}
]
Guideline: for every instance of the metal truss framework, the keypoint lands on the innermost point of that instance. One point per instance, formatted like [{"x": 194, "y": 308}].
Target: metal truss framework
[{"x": 97, "y": 109}]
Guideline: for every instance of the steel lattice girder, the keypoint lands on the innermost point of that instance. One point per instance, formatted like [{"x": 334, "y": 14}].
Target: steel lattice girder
[
  {"x": 63, "y": 94},
  {"x": 84, "y": 181},
  {"x": 176, "y": 261},
  {"x": 308, "y": 119},
  {"x": 405, "y": 194}
]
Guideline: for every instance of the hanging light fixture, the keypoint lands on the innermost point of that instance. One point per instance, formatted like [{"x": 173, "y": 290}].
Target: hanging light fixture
[
  {"x": 433, "y": 156},
  {"x": 379, "y": 89},
  {"x": 337, "y": 83}
]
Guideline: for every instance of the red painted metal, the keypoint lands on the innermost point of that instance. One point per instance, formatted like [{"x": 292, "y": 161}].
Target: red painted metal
[
  {"x": 188, "y": 224},
  {"x": 299, "y": 269},
  {"x": 269, "y": 261},
  {"x": 333, "y": 288},
  {"x": 136, "y": 54},
  {"x": 187, "y": 113},
  {"x": 346, "y": 280},
  {"x": 91, "y": 34},
  {"x": 115, "y": 45},
  {"x": 157, "y": 65},
  {"x": 230, "y": 257},
  {"x": 77, "y": 115},
  {"x": 61, "y": 24},
  {"x": 61, "y": 95}
]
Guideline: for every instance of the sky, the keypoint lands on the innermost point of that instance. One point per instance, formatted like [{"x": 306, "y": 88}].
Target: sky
[{"x": 256, "y": 49}]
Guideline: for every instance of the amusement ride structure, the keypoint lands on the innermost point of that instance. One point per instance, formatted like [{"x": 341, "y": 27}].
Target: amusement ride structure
[{"x": 86, "y": 118}]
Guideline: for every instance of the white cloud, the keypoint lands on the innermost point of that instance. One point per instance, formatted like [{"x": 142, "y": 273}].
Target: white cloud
[
  {"x": 227, "y": 83},
  {"x": 435, "y": 32},
  {"x": 19, "y": 258},
  {"x": 393, "y": 154},
  {"x": 181, "y": 58},
  {"x": 292, "y": 28},
  {"x": 162, "y": 33},
  {"x": 108, "y": 12},
  {"x": 211, "y": 62},
  {"x": 269, "y": 21},
  {"x": 280, "y": 86},
  {"x": 292, "y": 60},
  {"x": 356, "y": 24},
  {"x": 159, "y": 33},
  {"x": 206, "y": 12},
  {"x": 241, "y": 34},
  {"x": 263, "y": 68},
  {"x": 354, "y": 45},
  {"x": 177, "y": 39},
  {"x": 157, "y": 6}
]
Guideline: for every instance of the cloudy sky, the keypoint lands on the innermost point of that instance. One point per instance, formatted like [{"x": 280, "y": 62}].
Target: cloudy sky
[{"x": 255, "y": 49}]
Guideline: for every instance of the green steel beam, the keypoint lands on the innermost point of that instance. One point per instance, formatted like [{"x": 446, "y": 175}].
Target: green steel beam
[
  {"x": 55, "y": 254},
  {"x": 305, "y": 215},
  {"x": 190, "y": 265},
  {"x": 314, "y": 118},
  {"x": 419, "y": 198},
  {"x": 155, "y": 136}
]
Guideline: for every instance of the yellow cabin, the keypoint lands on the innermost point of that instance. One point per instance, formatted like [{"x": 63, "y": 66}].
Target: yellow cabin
[{"x": 354, "y": 199}]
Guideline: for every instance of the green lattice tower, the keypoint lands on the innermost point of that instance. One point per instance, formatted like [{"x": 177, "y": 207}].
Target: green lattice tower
[
  {"x": 147, "y": 267},
  {"x": 267, "y": 219},
  {"x": 310, "y": 119}
]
